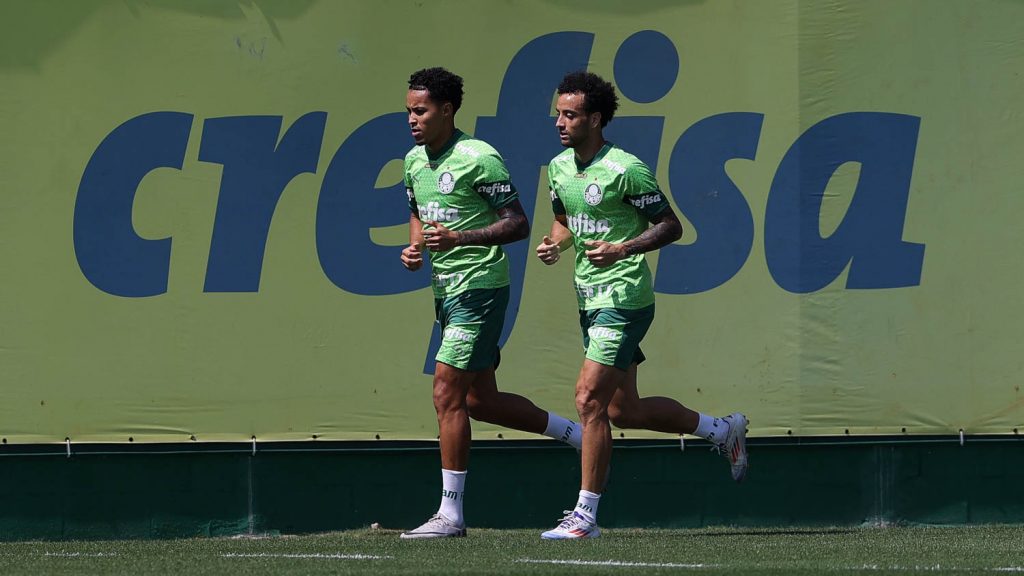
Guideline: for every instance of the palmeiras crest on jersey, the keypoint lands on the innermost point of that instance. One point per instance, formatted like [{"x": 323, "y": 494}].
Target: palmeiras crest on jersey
[
  {"x": 593, "y": 195},
  {"x": 446, "y": 183}
]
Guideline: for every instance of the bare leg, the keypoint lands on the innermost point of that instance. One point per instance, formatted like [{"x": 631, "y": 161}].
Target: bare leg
[
  {"x": 595, "y": 388},
  {"x": 629, "y": 410},
  {"x": 487, "y": 404},
  {"x": 451, "y": 386}
]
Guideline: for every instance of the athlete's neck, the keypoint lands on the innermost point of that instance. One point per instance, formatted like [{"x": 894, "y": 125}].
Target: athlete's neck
[
  {"x": 585, "y": 151},
  {"x": 442, "y": 140}
]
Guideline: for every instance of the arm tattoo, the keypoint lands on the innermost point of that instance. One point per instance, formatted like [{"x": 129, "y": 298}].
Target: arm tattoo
[
  {"x": 666, "y": 230},
  {"x": 511, "y": 226}
]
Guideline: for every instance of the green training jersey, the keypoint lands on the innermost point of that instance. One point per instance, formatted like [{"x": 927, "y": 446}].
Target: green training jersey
[
  {"x": 461, "y": 187},
  {"x": 611, "y": 198}
]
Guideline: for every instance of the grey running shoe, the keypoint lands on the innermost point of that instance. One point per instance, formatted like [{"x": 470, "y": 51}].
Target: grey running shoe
[
  {"x": 437, "y": 527},
  {"x": 734, "y": 448}
]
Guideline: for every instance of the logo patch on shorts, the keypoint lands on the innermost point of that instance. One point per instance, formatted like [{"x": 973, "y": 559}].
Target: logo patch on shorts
[
  {"x": 456, "y": 333},
  {"x": 603, "y": 333},
  {"x": 604, "y": 338}
]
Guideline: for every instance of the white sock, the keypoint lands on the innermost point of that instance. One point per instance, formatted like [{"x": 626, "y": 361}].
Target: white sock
[
  {"x": 565, "y": 430},
  {"x": 453, "y": 484},
  {"x": 586, "y": 506},
  {"x": 712, "y": 429}
]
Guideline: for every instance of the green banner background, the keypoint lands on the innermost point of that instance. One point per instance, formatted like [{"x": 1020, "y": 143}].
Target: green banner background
[{"x": 301, "y": 357}]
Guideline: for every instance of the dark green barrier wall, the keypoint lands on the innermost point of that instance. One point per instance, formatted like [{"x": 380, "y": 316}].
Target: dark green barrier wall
[{"x": 113, "y": 492}]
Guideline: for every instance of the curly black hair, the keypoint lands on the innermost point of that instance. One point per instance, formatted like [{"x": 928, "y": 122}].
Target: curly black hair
[
  {"x": 442, "y": 85},
  {"x": 598, "y": 94}
]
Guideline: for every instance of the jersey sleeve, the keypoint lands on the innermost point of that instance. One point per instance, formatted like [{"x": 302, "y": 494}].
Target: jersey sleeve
[
  {"x": 409, "y": 191},
  {"x": 556, "y": 203},
  {"x": 642, "y": 191},
  {"x": 491, "y": 181}
]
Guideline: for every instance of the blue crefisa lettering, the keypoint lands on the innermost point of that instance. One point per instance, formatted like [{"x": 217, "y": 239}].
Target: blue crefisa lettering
[
  {"x": 870, "y": 237},
  {"x": 350, "y": 205},
  {"x": 711, "y": 202},
  {"x": 259, "y": 163},
  {"x": 109, "y": 252},
  {"x": 523, "y": 132},
  {"x": 256, "y": 170}
]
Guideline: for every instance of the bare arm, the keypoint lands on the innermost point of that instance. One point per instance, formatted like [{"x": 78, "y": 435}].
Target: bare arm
[
  {"x": 560, "y": 238},
  {"x": 412, "y": 255},
  {"x": 666, "y": 229},
  {"x": 560, "y": 233},
  {"x": 415, "y": 231},
  {"x": 511, "y": 226}
]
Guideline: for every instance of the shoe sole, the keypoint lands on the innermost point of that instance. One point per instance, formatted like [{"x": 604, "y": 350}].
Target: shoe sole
[
  {"x": 593, "y": 534},
  {"x": 742, "y": 441}
]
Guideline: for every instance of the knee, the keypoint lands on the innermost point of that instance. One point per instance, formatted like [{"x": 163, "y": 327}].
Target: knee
[
  {"x": 447, "y": 397},
  {"x": 589, "y": 405}
]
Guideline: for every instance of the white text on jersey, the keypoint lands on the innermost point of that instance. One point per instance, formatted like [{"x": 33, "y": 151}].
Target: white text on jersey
[
  {"x": 434, "y": 211},
  {"x": 645, "y": 200},
  {"x": 442, "y": 280},
  {"x": 467, "y": 150},
  {"x": 583, "y": 223},
  {"x": 492, "y": 189},
  {"x": 614, "y": 166},
  {"x": 596, "y": 291}
]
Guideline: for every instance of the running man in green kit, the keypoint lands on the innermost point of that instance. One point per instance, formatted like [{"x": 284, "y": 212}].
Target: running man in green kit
[
  {"x": 463, "y": 207},
  {"x": 608, "y": 206}
]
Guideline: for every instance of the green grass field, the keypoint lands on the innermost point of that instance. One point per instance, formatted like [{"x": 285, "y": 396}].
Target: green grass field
[{"x": 750, "y": 552}]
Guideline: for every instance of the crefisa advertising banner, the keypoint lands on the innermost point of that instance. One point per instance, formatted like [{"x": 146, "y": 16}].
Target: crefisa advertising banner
[{"x": 202, "y": 211}]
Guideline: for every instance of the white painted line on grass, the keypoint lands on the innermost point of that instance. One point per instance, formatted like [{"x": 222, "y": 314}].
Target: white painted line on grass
[
  {"x": 79, "y": 554},
  {"x": 615, "y": 563},
  {"x": 327, "y": 556},
  {"x": 935, "y": 568}
]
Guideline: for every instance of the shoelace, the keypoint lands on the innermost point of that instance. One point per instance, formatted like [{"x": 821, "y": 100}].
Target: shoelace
[
  {"x": 567, "y": 520},
  {"x": 437, "y": 519}
]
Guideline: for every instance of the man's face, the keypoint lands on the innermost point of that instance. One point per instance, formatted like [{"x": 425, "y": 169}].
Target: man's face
[
  {"x": 574, "y": 125},
  {"x": 426, "y": 117}
]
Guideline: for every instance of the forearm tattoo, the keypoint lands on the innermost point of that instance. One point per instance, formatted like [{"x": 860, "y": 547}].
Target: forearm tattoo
[
  {"x": 664, "y": 232},
  {"x": 511, "y": 226}
]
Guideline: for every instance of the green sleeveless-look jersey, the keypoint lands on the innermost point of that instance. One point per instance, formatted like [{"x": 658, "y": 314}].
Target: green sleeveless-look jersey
[
  {"x": 610, "y": 199},
  {"x": 461, "y": 187}
]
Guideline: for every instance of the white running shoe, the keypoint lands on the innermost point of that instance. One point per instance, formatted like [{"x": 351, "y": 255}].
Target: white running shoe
[
  {"x": 572, "y": 526},
  {"x": 437, "y": 527},
  {"x": 734, "y": 448}
]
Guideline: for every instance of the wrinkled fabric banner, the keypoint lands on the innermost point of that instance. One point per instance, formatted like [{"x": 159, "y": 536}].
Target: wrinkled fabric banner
[{"x": 201, "y": 211}]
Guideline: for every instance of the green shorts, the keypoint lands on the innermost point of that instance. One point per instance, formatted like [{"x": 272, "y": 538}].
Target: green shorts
[
  {"x": 471, "y": 324},
  {"x": 611, "y": 336}
]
